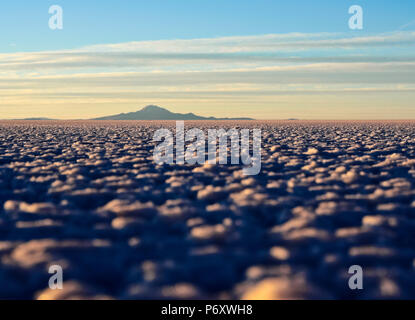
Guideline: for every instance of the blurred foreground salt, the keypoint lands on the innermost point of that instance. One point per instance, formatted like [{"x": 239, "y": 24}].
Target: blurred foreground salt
[{"x": 88, "y": 196}]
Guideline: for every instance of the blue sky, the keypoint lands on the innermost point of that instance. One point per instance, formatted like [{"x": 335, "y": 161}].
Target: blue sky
[
  {"x": 263, "y": 59},
  {"x": 109, "y": 21}
]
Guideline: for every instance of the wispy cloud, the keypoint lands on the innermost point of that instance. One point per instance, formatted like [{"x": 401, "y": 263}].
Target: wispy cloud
[
  {"x": 264, "y": 49},
  {"x": 407, "y": 25}
]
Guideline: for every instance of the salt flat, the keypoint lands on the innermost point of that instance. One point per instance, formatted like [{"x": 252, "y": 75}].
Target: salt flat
[{"x": 88, "y": 196}]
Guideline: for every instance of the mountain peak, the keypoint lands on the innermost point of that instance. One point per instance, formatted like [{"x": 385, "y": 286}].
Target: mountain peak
[{"x": 152, "y": 107}]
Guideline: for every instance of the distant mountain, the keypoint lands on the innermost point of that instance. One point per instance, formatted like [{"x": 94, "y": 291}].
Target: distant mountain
[{"x": 157, "y": 113}]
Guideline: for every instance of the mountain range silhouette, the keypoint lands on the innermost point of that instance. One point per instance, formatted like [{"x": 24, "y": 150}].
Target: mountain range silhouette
[{"x": 153, "y": 112}]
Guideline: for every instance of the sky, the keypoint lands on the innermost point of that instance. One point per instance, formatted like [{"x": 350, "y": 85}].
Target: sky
[{"x": 265, "y": 59}]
